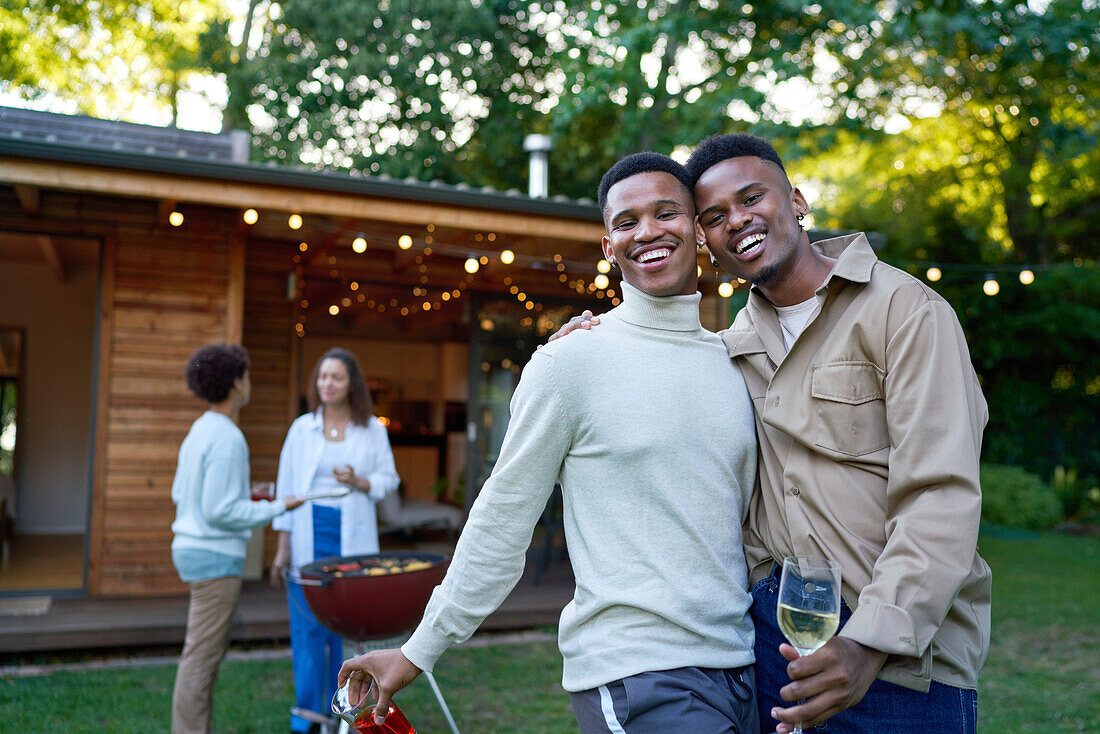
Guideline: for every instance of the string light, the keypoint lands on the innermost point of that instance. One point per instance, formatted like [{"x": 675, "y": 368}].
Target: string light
[
  {"x": 359, "y": 244},
  {"x": 725, "y": 289},
  {"x": 934, "y": 274},
  {"x": 507, "y": 257},
  {"x": 294, "y": 221},
  {"x": 333, "y": 309},
  {"x": 603, "y": 266},
  {"x": 601, "y": 281},
  {"x": 250, "y": 216},
  {"x": 175, "y": 219},
  {"x": 404, "y": 242},
  {"x": 1027, "y": 277},
  {"x": 471, "y": 265},
  {"x": 991, "y": 287}
]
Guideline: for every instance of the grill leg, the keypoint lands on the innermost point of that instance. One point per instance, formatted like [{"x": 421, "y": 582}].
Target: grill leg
[{"x": 442, "y": 704}]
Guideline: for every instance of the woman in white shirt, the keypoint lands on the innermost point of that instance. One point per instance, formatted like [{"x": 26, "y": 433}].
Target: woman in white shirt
[{"x": 338, "y": 444}]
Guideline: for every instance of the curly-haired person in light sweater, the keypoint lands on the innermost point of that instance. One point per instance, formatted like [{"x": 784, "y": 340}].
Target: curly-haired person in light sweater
[{"x": 214, "y": 519}]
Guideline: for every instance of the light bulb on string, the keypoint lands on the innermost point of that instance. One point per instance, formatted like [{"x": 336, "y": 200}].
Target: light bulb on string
[
  {"x": 933, "y": 274},
  {"x": 471, "y": 265},
  {"x": 250, "y": 216},
  {"x": 404, "y": 242},
  {"x": 991, "y": 287},
  {"x": 1027, "y": 277},
  {"x": 294, "y": 221},
  {"x": 725, "y": 289},
  {"x": 603, "y": 266},
  {"x": 175, "y": 219},
  {"x": 507, "y": 257},
  {"x": 601, "y": 281},
  {"x": 359, "y": 244}
]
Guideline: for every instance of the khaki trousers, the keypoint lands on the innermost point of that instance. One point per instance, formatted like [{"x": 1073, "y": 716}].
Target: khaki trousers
[{"x": 209, "y": 618}]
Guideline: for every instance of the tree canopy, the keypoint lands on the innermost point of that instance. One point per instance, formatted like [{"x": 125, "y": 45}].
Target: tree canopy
[
  {"x": 107, "y": 58},
  {"x": 964, "y": 131}
]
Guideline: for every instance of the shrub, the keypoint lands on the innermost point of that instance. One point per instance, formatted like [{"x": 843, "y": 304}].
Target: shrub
[
  {"x": 1016, "y": 498},
  {"x": 1080, "y": 497}
]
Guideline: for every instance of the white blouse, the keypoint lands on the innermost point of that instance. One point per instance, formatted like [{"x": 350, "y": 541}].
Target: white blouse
[{"x": 369, "y": 454}]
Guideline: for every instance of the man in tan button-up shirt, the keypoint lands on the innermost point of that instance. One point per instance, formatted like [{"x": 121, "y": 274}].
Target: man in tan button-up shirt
[{"x": 869, "y": 417}]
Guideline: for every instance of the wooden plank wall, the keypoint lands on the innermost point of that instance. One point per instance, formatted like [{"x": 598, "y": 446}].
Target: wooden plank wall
[
  {"x": 168, "y": 297},
  {"x": 268, "y": 334}
]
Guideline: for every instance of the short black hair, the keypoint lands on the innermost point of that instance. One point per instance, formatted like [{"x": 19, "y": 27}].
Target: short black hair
[
  {"x": 635, "y": 163},
  {"x": 212, "y": 369},
  {"x": 718, "y": 148}
]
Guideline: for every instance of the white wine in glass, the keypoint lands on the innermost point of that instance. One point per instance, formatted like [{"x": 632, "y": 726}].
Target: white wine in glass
[{"x": 809, "y": 603}]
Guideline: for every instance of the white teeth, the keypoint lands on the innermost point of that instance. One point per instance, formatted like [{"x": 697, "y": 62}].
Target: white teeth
[
  {"x": 654, "y": 255},
  {"x": 749, "y": 243}
]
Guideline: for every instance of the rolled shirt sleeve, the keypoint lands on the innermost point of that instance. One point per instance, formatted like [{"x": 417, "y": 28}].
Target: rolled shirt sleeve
[{"x": 935, "y": 415}]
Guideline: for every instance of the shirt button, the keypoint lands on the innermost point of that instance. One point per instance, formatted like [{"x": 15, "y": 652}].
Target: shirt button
[
  {"x": 795, "y": 491},
  {"x": 776, "y": 401}
]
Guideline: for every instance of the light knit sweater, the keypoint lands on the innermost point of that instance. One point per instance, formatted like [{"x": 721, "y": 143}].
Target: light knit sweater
[
  {"x": 214, "y": 509},
  {"x": 649, "y": 428}
]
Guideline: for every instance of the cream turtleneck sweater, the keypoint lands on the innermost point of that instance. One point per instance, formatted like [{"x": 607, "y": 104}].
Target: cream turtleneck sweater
[{"x": 649, "y": 428}]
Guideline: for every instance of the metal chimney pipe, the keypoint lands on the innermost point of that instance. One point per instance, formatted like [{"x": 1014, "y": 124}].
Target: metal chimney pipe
[{"x": 539, "y": 147}]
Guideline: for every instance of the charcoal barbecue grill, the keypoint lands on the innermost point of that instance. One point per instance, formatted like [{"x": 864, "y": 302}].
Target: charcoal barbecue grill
[{"x": 372, "y": 602}]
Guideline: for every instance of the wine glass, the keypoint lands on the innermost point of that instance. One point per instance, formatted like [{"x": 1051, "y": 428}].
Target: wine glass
[{"x": 809, "y": 603}]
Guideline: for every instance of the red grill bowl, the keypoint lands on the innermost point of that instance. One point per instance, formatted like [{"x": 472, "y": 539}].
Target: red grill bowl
[{"x": 365, "y": 608}]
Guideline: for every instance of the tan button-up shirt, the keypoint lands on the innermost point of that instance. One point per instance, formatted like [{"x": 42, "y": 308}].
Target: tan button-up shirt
[{"x": 870, "y": 429}]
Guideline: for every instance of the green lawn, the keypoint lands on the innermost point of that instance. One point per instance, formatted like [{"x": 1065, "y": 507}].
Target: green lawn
[{"x": 1042, "y": 673}]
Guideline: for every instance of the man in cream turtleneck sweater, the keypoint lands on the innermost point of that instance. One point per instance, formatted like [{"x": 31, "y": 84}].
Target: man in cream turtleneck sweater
[{"x": 649, "y": 428}]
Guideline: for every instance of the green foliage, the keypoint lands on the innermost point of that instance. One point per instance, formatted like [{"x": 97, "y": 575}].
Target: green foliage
[
  {"x": 1016, "y": 498},
  {"x": 447, "y": 90},
  {"x": 1080, "y": 497},
  {"x": 1036, "y": 349},
  {"x": 1014, "y": 78},
  {"x": 109, "y": 58}
]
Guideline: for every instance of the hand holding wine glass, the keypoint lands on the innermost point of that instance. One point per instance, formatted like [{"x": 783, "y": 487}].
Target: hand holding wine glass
[{"x": 809, "y": 603}]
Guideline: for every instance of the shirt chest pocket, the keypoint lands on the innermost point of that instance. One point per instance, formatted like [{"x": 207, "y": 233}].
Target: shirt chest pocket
[{"x": 851, "y": 411}]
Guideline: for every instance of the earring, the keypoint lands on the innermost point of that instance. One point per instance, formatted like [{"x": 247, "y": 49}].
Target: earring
[
  {"x": 801, "y": 216},
  {"x": 612, "y": 261},
  {"x": 701, "y": 244},
  {"x": 714, "y": 262}
]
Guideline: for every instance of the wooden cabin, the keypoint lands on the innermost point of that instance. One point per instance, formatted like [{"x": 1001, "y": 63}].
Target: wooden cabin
[{"x": 125, "y": 247}]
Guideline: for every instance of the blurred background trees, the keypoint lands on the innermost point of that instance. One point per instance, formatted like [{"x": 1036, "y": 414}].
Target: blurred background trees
[{"x": 964, "y": 131}]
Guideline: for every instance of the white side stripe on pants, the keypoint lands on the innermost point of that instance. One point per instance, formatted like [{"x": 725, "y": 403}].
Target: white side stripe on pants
[{"x": 608, "y": 708}]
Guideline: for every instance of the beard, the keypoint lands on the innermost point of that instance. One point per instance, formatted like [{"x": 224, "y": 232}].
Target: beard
[{"x": 765, "y": 276}]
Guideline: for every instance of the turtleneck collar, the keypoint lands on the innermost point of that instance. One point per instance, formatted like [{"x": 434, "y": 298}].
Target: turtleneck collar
[{"x": 671, "y": 313}]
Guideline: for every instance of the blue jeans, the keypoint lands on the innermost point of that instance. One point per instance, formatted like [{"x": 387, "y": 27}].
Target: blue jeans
[
  {"x": 317, "y": 652},
  {"x": 885, "y": 708}
]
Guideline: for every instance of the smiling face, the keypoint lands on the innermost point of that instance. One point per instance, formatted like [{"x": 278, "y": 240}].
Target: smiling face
[
  {"x": 749, "y": 215},
  {"x": 333, "y": 382},
  {"x": 651, "y": 233}
]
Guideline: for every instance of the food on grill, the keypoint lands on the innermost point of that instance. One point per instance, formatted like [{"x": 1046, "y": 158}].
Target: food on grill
[{"x": 375, "y": 567}]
